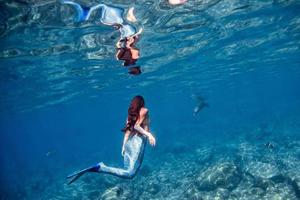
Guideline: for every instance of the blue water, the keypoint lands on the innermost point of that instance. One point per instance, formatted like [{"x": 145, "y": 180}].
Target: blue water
[{"x": 64, "y": 98}]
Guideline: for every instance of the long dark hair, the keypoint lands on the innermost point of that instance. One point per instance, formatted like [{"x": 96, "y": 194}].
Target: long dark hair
[{"x": 134, "y": 112}]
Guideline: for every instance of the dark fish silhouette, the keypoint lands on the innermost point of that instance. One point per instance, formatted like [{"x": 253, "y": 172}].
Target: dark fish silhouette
[
  {"x": 201, "y": 103},
  {"x": 269, "y": 145}
]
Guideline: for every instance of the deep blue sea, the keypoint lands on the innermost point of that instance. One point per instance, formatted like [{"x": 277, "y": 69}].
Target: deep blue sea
[{"x": 64, "y": 96}]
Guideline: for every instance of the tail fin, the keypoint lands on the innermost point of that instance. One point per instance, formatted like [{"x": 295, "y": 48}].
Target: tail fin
[
  {"x": 83, "y": 13},
  {"x": 78, "y": 174},
  {"x": 75, "y": 177}
]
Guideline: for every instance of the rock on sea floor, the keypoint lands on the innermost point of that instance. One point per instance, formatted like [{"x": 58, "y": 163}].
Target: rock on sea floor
[
  {"x": 262, "y": 170},
  {"x": 222, "y": 175},
  {"x": 115, "y": 193}
]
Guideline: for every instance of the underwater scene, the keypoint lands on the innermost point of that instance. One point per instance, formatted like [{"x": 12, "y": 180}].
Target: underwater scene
[{"x": 150, "y": 100}]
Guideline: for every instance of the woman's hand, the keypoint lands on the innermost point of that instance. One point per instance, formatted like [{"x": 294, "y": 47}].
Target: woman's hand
[
  {"x": 152, "y": 140},
  {"x": 123, "y": 151}
]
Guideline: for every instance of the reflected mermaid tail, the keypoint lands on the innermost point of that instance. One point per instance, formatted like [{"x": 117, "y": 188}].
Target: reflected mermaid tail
[
  {"x": 78, "y": 174},
  {"x": 83, "y": 13},
  {"x": 109, "y": 16}
]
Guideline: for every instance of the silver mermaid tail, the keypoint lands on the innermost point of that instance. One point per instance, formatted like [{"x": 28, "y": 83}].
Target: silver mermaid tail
[{"x": 133, "y": 158}]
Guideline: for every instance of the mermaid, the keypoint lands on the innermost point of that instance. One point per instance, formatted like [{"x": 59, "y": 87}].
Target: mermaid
[{"x": 136, "y": 132}]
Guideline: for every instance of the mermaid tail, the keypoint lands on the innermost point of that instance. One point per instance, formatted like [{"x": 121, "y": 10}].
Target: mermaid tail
[
  {"x": 133, "y": 158},
  {"x": 78, "y": 174},
  {"x": 83, "y": 13},
  {"x": 110, "y": 15}
]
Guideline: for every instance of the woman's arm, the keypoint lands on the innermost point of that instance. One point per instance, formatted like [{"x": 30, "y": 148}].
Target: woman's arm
[
  {"x": 145, "y": 130},
  {"x": 126, "y": 136},
  {"x": 146, "y": 124},
  {"x": 151, "y": 138},
  {"x": 142, "y": 118}
]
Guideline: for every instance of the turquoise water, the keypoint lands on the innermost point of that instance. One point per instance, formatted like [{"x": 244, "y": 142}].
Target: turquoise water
[{"x": 64, "y": 98}]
